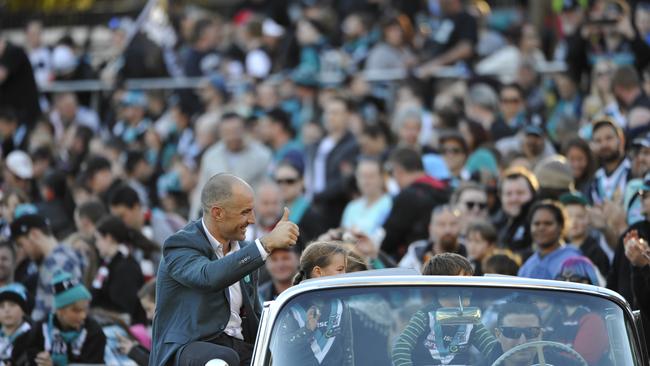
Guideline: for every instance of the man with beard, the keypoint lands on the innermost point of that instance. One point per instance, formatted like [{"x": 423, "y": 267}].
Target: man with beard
[
  {"x": 615, "y": 169},
  {"x": 444, "y": 231}
]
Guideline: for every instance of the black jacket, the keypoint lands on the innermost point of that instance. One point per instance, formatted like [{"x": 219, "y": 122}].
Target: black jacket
[
  {"x": 119, "y": 289},
  {"x": 514, "y": 233},
  {"x": 592, "y": 250},
  {"x": 32, "y": 343},
  {"x": 408, "y": 220},
  {"x": 620, "y": 274},
  {"x": 338, "y": 182}
]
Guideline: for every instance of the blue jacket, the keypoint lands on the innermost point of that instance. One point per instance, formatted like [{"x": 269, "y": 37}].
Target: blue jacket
[
  {"x": 192, "y": 292},
  {"x": 547, "y": 267}
]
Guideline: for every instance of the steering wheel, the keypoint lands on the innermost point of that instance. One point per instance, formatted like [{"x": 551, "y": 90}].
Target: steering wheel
[{"x": 539, "y": 345}]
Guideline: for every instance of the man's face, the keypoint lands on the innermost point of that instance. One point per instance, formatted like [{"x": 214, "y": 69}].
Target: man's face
[
  {"x": 519, "y": 329},
  {"x": 533, "y": 145},
  {"x": 409, "y": 132},
  {"x": 453, "y": 154},
  {"x": 282, "y": 265},
  {"x": 607, "y": 145},
  {"x": 6, "y": 264},
  {"x": 336, "y": 116},
  {"x": 290, "y": 183},
  {"x": 30, "y": 247},
  {"x": 369, "y": 179},
  {"x": 511, "y": 102},
  {"x": 515, "y": 194},
  {"x": 579, "y": 223},
  {"x": 74, "y": 315},
  {"x": 268, "y": 205},
  {"x": 445, "y": 228},
  {"x": 233, "y": 216},
  {"x": 101, "y": 180},
  {"x": 131, "y": 216},
  {"x": 232, "y": 134}
]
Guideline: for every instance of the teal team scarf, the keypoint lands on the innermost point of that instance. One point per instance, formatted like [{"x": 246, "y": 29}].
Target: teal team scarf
[
  {"x": 57, "y": 342},
  {"x": 322, "y": 341}
]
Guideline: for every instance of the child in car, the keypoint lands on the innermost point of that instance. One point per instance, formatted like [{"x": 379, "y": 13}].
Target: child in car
[{"x": 427, "y": 339}]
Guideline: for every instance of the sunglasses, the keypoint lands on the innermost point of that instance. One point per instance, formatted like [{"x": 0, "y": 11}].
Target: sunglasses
[
  {"x": 574, "y": 278},
  {"x": 470, "y": 205},
  {"x": 287, "y": 181},
  {"x": 516, "y": 332}
]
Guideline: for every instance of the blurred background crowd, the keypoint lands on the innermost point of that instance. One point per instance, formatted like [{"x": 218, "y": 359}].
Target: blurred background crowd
[{"x": 514, "y": 133}]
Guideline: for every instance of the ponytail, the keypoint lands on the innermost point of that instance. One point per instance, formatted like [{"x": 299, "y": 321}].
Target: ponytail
[{"x": 299, "y": 277}]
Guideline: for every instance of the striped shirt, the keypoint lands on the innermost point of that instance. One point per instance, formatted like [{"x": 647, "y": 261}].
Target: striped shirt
[{"x": 411, "y": 343}]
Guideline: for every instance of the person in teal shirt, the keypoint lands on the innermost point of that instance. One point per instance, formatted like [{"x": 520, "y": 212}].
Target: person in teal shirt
[{"x": 368, "y": 212}]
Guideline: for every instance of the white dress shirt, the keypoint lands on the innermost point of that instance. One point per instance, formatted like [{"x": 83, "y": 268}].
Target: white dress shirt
[{"x": 233, "y": 328}]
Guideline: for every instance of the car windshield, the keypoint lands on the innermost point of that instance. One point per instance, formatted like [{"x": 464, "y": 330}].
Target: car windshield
[{"x": 438, "y": 325}]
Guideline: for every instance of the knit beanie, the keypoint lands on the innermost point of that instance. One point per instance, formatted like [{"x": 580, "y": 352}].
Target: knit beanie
[{"x": 68, "y": 290}]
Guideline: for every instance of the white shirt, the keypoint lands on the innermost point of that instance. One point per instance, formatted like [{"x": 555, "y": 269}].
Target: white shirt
[
  {"x": 320, "y": 164},
  {"x": 233, "y": 328}
]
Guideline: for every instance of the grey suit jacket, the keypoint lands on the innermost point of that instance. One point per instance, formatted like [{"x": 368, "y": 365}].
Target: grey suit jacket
[{"x": 192, "y": 298}]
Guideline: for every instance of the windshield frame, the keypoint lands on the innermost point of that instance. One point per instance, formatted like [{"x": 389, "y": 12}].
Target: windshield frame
[{"x": 384, "y": 278}]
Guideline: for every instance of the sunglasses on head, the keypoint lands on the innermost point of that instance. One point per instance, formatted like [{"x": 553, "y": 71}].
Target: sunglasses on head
[
  {"x": 516, "y": 332},
  {"x": 287, "y": 181},
  {"x": 471, "y": 204}
]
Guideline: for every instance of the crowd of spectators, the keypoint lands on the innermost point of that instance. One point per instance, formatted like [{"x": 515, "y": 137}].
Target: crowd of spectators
[{"x": 408, "y": 129}]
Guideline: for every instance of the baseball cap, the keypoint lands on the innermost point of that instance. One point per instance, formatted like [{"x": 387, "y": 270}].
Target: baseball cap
[
  {"x": 574, "y": 198},
  {"x": 20, "y": 164},
  {"x": 534, "y": 130},
  {"x": 23, "y": 224}
]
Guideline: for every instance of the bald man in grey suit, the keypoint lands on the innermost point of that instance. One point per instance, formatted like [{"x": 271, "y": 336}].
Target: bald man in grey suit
[{"x": 207, "y": 306}]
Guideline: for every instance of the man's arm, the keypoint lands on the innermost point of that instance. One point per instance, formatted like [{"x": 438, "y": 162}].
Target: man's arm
[{"x": 193, "y": 269}]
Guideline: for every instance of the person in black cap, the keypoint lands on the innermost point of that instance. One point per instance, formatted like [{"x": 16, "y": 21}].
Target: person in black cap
[
  {"x": 32, "y": 233},
  {"x": 67, "y": 335},
  {"x": 13, "y": 318}
]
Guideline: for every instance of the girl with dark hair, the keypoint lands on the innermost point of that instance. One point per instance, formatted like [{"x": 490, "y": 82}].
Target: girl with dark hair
[
  {"x": 581, "y": 160},
  {"x": 119, "y": 278},
  {"x": 548, "y": 224},
  {"x": 318, "y": 332}
]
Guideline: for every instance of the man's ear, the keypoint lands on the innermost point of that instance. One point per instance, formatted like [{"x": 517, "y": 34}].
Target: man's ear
[{"x": 217, "y": 213}]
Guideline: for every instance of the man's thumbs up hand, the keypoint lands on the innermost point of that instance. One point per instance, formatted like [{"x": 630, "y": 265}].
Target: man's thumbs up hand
[
  {"x": 284, "y": 235},
  {"x": 285, "y": 215}
]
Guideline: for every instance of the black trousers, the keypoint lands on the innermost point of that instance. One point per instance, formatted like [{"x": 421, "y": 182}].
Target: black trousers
[{"x": 232, "y": 350}]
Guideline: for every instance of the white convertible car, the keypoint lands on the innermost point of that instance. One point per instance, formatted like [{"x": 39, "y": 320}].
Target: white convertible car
[{"x": 393, "y": 317}]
